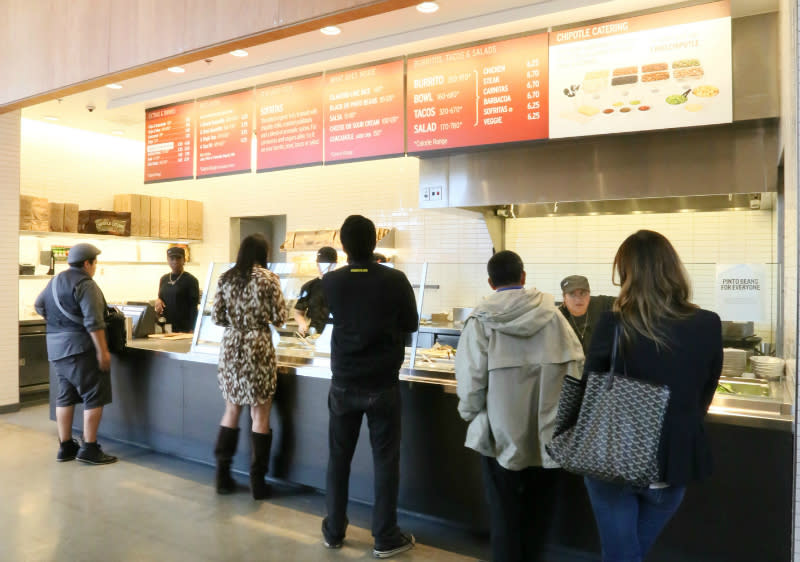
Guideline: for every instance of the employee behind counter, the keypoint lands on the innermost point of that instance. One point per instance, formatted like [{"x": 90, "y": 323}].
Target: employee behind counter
[
  {"x": 311, "y": 309},
  {"x": 581, "y": 309},
  {"x": 178, "y": 293}
]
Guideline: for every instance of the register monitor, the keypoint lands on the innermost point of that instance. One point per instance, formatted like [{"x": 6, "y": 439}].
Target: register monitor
[{"x": 143, "y": 316}]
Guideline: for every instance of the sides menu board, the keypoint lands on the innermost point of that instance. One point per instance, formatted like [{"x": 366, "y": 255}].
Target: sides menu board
[
  {"x": 658, "y": 71},
  {"x": 290, "y": 126},
  {"x": 224, "y": 133},
  {"x": 485, "y": 94},
  {"x": 168, "y": 147},
  {"x": 364, "y": 112}
]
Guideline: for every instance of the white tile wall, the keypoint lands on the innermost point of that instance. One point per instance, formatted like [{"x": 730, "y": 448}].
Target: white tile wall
[{"x": 9, "y": 225}]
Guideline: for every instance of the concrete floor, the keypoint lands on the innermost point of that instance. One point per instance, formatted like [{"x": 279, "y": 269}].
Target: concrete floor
[{"x": 155, "y": 507}]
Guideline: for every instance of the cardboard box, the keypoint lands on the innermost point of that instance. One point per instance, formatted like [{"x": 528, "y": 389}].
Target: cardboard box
[
  {"x": 130, "y": 203},
  {"x": 33, "y": 208},
  {"x": 194, "y": 212},
  {"x": 34, "y": 224},
  {"x": 57, "y": 217},
  {"x": 155, "y": 216},
  {"x": 144, "y": 217},
  {"x": 164, "y": 217},
  {"x": 70, "y": 217},
  {"x": 183, "y": 218},
  {"x": 104, "y": 222}
]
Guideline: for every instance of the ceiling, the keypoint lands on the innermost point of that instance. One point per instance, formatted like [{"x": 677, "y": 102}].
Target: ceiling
[{"x": 388, "y": 35}]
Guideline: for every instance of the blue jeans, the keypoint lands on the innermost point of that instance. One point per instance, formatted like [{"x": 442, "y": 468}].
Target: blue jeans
[{"x": 630, "y": 519}]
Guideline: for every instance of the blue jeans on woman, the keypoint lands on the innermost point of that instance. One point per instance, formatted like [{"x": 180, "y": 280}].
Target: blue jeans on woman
[{"x": 629, "y": 519}]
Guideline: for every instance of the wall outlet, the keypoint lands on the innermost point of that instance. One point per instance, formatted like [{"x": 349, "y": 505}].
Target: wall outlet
[
  {"x": 433, "y": 196},
  {"x": 436, "y": 193},
  {"x": 424, "y": 193}
]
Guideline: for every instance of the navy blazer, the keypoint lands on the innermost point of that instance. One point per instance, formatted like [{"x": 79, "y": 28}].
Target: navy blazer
[{"x": 690, "y": 368}]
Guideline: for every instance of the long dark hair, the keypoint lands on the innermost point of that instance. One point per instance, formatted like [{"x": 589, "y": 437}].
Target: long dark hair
[
  {"x": 654, "y": 286},
  {"x": 253, "y": 251}
]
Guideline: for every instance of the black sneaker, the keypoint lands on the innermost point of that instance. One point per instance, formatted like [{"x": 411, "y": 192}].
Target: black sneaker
[
  {"x": 67, "y": 450},
  {"x": 92, "y": 453},
  {"x": 332, "y": 544},
  {"x": 403, "y": 543}
]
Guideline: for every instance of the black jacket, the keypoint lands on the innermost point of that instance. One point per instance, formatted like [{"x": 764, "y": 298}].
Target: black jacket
[
  {"x": 373, "y": 309},
  {"x": 584, "y": 327},
  {"x": 691, "y": 369}
]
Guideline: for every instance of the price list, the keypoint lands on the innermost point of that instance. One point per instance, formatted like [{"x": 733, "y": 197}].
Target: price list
[
  {"x": 289, "y": 121},
  {"x": 483, "y": 94},
  {"x": 364, "y": 112},
  {"x": 224, "y": 133},
  {"x": 168, "y": 146}
]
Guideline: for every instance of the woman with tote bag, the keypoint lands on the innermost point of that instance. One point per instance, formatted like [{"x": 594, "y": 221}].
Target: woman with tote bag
[{"x": 666, "y": 340}]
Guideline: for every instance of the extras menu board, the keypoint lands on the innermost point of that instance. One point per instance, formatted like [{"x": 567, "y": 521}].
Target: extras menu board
[
  {"x": 224, "y": 133},
  {"x": 169, "y": 142},
  {"x": 658, "y": 71},
  {"x": 484, "y": 94},
  {"x": 364, "y": 112},
  {"x": 290, "y": 127}
]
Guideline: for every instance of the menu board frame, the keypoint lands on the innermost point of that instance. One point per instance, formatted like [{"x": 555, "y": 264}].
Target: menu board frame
[
  {"x": 322, "y": 117},
  {"x": 379, "y": 62},
  {"x": 194, "y": 135},
  {"x": 249, "y": 170},
  {"x": 430, "y": 152}
]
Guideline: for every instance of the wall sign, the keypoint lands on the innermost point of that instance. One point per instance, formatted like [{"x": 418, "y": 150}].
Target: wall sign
[
  {"x": 741, "y": 293},
  {"x": 224, "y": 133},
  {"x": 169, "y": 144}
]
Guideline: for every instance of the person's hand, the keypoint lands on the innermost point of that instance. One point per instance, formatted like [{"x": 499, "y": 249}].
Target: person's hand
[
  {"x": 160, "y": 306},
  {"x": 104, "y": 360},
  {"x": 302, "y": 328}
]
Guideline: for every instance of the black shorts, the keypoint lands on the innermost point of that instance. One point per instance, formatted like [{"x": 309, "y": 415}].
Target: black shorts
[{"x": 80, "y": 380}]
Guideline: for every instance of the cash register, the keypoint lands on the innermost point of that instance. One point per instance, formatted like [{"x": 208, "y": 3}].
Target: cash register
[{"x": 143, "y": 317}]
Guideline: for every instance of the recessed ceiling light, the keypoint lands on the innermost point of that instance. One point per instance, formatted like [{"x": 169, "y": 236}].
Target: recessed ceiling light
[
  {"x": 331, "y": 30},
  {"x": 176, "y": 69},
  {"x": 51, "y": 117},
  {"x": 239, "y": 53},
  {"x": 114, "y": 86},
  {"x": 427, "y": 7},
  {"x": 118, "y": 133}
]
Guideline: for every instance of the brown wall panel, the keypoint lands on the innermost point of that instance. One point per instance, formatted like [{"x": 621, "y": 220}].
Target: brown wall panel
[
  {"x": 143, "y": 31},
  {"x": 292, "y": 11},
  {"x": 214, "y": 21},
  {"x": 74, "y": 60}
]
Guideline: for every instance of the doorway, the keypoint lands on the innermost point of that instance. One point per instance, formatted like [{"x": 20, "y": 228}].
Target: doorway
[{"x": 272, "y": 227}]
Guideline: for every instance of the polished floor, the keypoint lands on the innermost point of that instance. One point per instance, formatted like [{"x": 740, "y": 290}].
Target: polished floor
[{"x": 154, "y": 507}]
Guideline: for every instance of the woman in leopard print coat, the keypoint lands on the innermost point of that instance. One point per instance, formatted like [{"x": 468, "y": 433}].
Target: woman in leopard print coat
[{"x": 247, "y": 301}]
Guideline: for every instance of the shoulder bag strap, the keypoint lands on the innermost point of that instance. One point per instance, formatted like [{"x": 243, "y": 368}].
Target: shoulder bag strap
[
  {"x": 76, "y": 319},
  {"x": 612, "y": 365}
]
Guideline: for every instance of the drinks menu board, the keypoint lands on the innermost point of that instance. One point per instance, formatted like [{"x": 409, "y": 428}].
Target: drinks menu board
[
  {"x": 483, "y": 94},
  {"x": 657, "y": 71},
  {"x": 289, "y": 117},
  {"x": 169, "y": 144},
  {"x": 364, "y": 112},
  {"x": 224, "y": 133}
]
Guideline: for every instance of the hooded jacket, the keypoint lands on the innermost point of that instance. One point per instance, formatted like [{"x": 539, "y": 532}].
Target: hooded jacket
[{"x": 514, "y": 352}]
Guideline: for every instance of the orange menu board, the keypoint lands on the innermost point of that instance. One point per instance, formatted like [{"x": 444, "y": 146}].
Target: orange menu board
[
  {"x": 289, "y": 123},
  {"x": 224, "y": 133},
  {"x": 477, "y": 95},
  {"x": 168, "y": 146},
  {"x": 364, "y": 112}
]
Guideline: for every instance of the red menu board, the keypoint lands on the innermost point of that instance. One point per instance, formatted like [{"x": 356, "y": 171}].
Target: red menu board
[
  {"x": 483, "y": 94},
  {"x": 170, "y": 138},
  {"x": 224, "y": 133},
  {"x": 364, "y": 112},
  {"x": 289, "y": 118}
]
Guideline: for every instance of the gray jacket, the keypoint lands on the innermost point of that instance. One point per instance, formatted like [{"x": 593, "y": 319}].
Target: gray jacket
[{"x": 514, "y": 352}]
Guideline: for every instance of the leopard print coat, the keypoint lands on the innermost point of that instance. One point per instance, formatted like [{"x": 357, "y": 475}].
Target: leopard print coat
[{"x": 247, "y": 358}]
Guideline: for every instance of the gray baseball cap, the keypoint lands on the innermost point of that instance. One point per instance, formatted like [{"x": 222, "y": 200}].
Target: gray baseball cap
[
  {"x": 82, "y": 252},
  {"x": 573, "y": 283}
]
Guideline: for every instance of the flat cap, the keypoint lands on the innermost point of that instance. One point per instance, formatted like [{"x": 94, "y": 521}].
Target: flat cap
[
  {"x": 82, "y": 252},
  {"x": 573, "y": 283},
  {"x": 326, "y": 254},
  {"x": 176, "y": 252}
]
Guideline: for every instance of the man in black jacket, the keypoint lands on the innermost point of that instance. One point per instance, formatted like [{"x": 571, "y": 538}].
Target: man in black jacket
[{"x": 373, "y": 309}]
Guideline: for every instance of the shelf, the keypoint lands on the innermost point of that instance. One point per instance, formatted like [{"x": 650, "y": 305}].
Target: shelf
[
  {"x": 38, "y": 234},
  {"x": 36, "y": 276}
]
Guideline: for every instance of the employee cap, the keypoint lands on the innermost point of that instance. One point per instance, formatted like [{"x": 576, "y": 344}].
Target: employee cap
[
  {"x": 573, "y": 283},
  {"x": 326, "y": 254},
  {"x": 82, "y": 252},
  {"x": 176, "y": 252}
]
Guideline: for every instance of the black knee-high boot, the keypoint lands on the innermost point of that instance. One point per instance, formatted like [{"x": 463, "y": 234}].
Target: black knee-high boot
[
  {"x": 227, "y": 439},
  {"x": 262, "y": 443}
]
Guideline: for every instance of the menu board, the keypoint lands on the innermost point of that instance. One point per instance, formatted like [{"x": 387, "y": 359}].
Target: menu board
[
  {"x": 168, "y": 146},
  {"x": 289, "y": 117},
  {"x": 658, "y": 71},
  {"x": 224, "y": 133},
  {"x": 364, "y": 112},
  {"x": 483, "y": 94}
]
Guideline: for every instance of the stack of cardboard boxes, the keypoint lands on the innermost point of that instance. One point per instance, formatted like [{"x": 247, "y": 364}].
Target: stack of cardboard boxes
[
  {"x": 40, "y": 215},
  {"x": 162, "y": 217}
]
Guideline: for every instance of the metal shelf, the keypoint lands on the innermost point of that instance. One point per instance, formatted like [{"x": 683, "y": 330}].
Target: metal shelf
[{"x": 42, "y": 234}]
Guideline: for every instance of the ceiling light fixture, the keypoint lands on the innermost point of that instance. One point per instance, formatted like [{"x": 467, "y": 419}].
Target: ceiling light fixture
[
  {"x": 331, "y": 30},
  {"x": 427, "y": 7},
  {"x": 239, "y": 53},
  {"x": 51, "y": 117},
  {"x": 177, "y": 69},
  {"x": 114, "y": 86}
]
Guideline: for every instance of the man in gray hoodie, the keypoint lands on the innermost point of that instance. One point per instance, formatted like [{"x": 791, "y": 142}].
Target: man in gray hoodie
[{"x": 514, "y": 352}]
